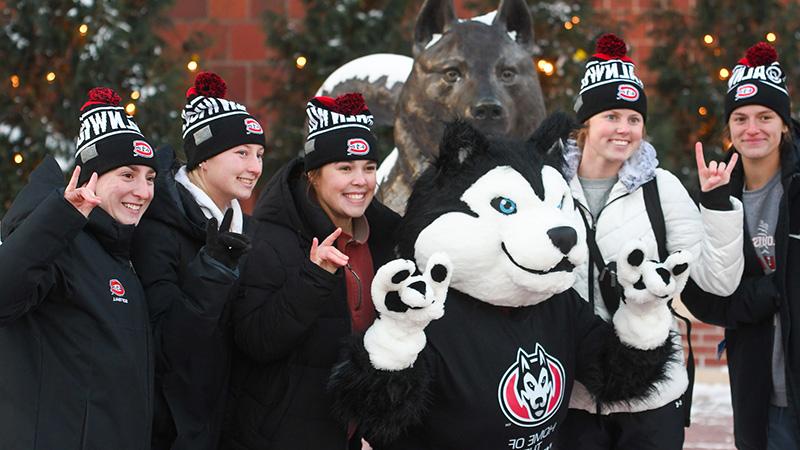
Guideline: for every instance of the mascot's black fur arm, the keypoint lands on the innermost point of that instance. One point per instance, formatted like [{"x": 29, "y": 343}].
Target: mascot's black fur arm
[
  {"x": 623, "y": 373},
  {"x": 382, "y": 403}
]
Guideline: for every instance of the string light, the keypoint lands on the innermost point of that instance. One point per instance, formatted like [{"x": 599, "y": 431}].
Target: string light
[
  {"x": 192, "y": 65},
  {"x": 135, "y": 95},
  {"x": 301, "y": 62},
  {"x": 51, "y": 77},
  {"x": 702, "y": 111},
  {"x": 18, "y": 158},
  {"x": 771, "y": 37},
  {"x": 130, "y": 108},
  {"x": 724, "y": 74},
  {"x": 708, "y": 39},
  {"x": 579, "y": 55},
  {"x": 576, "y": 20},
  {"x": 14, "y": 81},
  {"x": 568, "y": 25},
  {"x": 545, "y": 67},
  {"x": 83, "y": 29}
]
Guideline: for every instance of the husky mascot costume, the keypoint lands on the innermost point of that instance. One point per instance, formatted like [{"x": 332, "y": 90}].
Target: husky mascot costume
[{"x": 491, "y": 231}]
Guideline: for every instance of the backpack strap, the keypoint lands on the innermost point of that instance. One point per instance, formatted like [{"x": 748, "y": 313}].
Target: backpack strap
[
  {"x": 652, "y": 203},
  {"x": 607, "y": 280}
]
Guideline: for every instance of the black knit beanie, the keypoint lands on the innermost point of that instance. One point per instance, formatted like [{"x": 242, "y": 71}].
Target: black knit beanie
[
  {"x": 610, "y": 81},
  {"x": 108, "y": 137},
  {"x": 338, "y": 130},
  {"x": 212, "y": 124},
  {"x": 759, "y": 80}
]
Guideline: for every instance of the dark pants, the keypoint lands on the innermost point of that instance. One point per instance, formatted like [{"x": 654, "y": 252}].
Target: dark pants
[
  {"x": 782, "y": 433},
  {"x": 658, "y": 429}
]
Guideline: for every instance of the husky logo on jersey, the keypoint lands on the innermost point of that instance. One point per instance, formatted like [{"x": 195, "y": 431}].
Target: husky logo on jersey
[
  {"x": 143, "y": 149},
  {"x": 252, "y": 126},
  {"x": 532, "y": 389},
  {"x": 746, "y": 91},
  {"x": 357, "y": 146},
  {"x": 627, "y": 92}
]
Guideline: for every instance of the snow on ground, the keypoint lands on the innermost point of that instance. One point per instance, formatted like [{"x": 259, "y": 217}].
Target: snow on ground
[{"x": 712, "y": 417}]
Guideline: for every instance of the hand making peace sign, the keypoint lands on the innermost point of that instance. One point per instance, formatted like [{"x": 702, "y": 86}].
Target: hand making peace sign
[
  {"x": 326, "y": 255},
  {"x": 715, "y": 174}
]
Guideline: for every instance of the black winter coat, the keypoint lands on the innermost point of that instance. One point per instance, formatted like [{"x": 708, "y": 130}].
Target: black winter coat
[
  {"x": 748, "y": 314},
  {"x": 76, "y": 369},
  {"x": 187, "y": 293},
  {"x": 290, "y": 319}
]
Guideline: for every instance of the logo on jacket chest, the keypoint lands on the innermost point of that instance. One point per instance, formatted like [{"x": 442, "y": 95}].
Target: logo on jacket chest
[
  {"x": 117, "y": 291},
  {"x": 532, "y": 389}
]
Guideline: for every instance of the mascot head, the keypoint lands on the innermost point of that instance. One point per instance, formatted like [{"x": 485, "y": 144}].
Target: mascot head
[{"x": 503, "y": 213}]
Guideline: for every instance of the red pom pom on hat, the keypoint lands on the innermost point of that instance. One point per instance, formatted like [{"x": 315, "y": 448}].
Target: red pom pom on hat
[
  {"x": 761, "y": 54},
  {"x": 348, "y": 104},
  {"x": 102, "y": 96},
  {"x": 208, "y": 84},
  {"x": 612, "y": 46}
]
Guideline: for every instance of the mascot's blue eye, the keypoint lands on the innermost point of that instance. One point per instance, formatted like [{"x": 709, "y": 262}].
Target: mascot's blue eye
[{"x": 504, "y": 205}]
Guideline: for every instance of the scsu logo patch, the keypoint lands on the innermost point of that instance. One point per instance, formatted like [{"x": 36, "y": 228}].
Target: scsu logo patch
[
  {"x": 627, "y": 92},
  {"x": 746, "y": 91},
  {"x": 142, "y": 149},
  {"x": 532, "y": 389},
  {"x": 357, "y": 147},
  {"x": 252, "y": 126},
  {"x": 117, "y": 290}
]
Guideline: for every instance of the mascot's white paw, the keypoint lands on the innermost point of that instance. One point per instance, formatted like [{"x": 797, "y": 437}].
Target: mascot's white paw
[
  {"x": 643, "y": 320},
  {"x": 406, "y": 304}
]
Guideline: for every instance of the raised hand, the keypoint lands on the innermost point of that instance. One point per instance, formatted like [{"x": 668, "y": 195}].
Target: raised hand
[
  {"x": 224, "y": 245},
  {"x": 84, "y": 199},
  {"x": 326, "y": 255},
  {"x": 715, "y": 174}
]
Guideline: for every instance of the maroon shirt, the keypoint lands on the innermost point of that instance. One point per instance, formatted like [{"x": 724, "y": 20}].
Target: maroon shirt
[{"x": 358, "y": 275}]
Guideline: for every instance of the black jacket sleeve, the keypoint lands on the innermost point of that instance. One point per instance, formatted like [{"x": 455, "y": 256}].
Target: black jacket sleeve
[
  {"x": 278, "y": 300},
  {"x": 755, "y": 300},
  {"x": 27, "y": 272},
  {"x": 185, "y": 306}
]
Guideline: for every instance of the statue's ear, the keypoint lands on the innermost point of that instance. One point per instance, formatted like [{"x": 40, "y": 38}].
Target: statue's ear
[
  {"x": 460, "y": 142},
  {"x": 515, "y": 17},
  {"x": 435, "y": 17}
]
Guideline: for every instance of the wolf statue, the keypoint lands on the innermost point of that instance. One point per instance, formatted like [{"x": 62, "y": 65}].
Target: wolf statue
[
  {"x": 482, "y": 350},
  {"x": 478, "y": 70}
]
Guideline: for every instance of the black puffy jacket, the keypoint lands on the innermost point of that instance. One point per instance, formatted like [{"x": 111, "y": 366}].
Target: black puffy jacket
[
  {"x": 748, "y": 314},
  {"x": 187, "y": 294},
  {"x": 289, "y": 320},
  {"x": 75, "y": 345}
]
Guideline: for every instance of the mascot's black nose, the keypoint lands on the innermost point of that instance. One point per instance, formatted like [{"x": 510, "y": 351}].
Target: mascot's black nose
[
  {"x": 487, "y": 109},
  {"x": 564, "y": 238}
]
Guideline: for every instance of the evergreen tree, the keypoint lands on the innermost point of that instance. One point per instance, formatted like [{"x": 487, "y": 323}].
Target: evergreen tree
[
  {"x": 689, "y": 94},
  {"x": 332, "y": 36},
  {"x": 54, "y": 51}
]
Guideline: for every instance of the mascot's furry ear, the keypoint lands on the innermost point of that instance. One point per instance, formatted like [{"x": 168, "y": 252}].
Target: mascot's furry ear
[
  {"x": 549, "y": 140},
  {"x": 515, "y": 17},
  {"x": 435, "y": 17},
  {"x": 460, "y": 142}
]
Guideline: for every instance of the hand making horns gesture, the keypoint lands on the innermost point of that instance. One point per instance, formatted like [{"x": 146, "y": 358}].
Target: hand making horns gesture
[
  {"x": 715, "y": 174},
  {"x": 84, "y": 199}
]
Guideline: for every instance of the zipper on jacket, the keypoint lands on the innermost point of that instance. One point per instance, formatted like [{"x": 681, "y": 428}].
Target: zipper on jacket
[{"x": 358, "y": 285}]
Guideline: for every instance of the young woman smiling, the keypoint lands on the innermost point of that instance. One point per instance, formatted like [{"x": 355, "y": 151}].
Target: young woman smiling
[
  {"x": 74, "y": 333},
  {"x": 609, "y": 164},
  {"x": 187, "y": 252},
  {"x": 318, "y": 237},
  {"x": 760, "y": 318}
]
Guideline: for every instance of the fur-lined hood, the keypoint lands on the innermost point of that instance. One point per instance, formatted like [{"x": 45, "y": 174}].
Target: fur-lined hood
[{"x": 636, "y": 170}]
